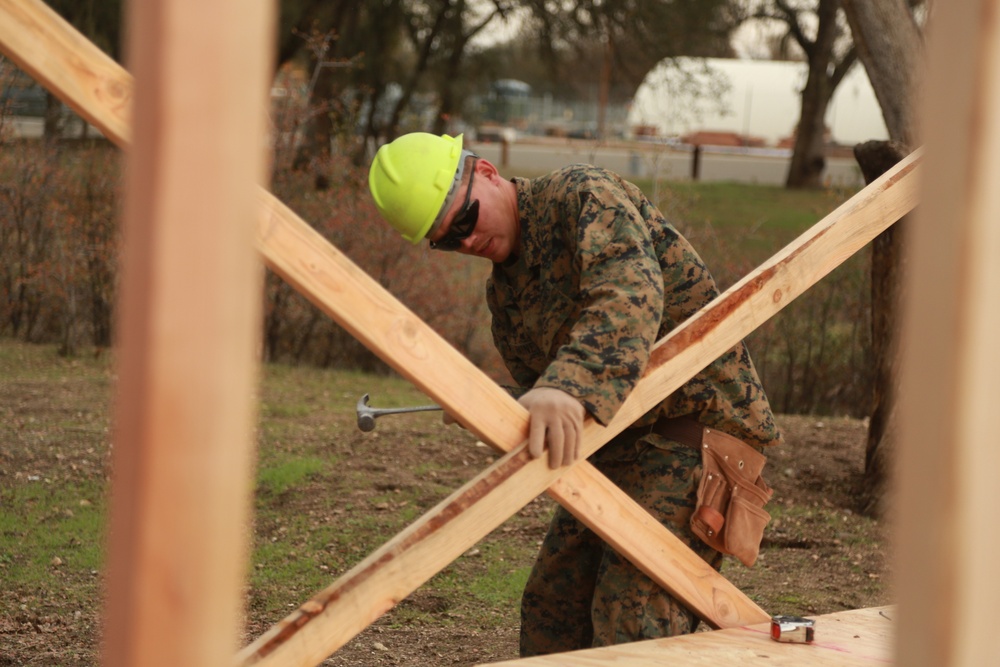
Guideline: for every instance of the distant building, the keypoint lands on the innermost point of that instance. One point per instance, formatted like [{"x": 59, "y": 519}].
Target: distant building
[{"x": 750, "y": 98}]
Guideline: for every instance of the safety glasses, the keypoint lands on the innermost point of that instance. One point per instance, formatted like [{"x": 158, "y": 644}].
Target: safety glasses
[{"x": 464, "y": 222}]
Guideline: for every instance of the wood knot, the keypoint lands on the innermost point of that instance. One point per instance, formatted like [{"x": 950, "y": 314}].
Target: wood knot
[
  {"x": 311, "y": 608},
  {"x": 776, "y": 297},
  {"x": 115, "y": 90}
]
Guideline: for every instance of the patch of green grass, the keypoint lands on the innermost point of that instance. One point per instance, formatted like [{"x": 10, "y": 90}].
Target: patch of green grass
[
  {"x": 366, "y": 532},
  {"x": 284, "y": 411},
  {"x": 427, "y": 467},
  {"x": 277, "y": 479},
  {"x": 737, "y": 226},
  {"x": 21, "y": 361},
  {"x": 791, "y": 599},
  {"x": 298, "y": 554},
  {"x": 407, "y": 616},
  {"x": 501, "y": 584},
  {"x": 296, "y": 401},
  {"x": 743, "y": 205},
  {"x": 281, "y": 574},
  {"x": 299, "y": 389},
  {"x": 494, "y": 573},
  {"x": 49, "y": 531}
]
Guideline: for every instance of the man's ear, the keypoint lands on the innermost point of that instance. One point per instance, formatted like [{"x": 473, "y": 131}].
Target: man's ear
[{"x": 485, "y": 169}]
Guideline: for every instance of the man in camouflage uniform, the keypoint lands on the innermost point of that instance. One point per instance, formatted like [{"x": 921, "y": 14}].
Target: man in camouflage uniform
[{"x": 587, "y": 276}]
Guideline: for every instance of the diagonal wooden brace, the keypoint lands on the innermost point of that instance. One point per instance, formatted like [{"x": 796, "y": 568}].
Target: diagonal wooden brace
[{"x": 42, "y": 44}]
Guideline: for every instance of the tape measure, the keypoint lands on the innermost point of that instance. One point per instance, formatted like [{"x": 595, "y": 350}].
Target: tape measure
[{"x": 792, "y": 629}]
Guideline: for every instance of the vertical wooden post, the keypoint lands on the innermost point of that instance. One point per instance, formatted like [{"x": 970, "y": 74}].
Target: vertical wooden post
[
  {"x": 949, "y": 536},
  {"x": 188, "y": 329},
  {"x": 696, "y": 162}
]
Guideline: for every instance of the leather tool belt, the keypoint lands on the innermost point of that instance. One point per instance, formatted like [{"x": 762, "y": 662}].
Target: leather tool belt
[{"x": 729, "y": 515}]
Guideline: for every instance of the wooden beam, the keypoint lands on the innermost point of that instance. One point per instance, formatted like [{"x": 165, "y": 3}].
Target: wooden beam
[
  {"x": 856, "y": 638},
  {"x": 86, "y": 79},
  {"x": 948, "y": 534},
  {"x": 296, "y": 252},
  {"x": 188, "y": 333}
]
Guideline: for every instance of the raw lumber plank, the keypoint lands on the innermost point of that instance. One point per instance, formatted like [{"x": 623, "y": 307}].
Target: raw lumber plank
[
  {"x": 857, "y": 638},
  {"x": 90, "y": 82},
  {"x": 948, "y": 534},
  {"x": 295, "y": 251},
  {"x": 188, "y": 334}
]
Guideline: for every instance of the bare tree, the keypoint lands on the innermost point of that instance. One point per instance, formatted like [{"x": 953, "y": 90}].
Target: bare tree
[
  {"x": 378, "y": 65},
  {"x": 443, "y": 51},
  {"x": 611, "y": 45},
  {"x": 829, "y": 57}
]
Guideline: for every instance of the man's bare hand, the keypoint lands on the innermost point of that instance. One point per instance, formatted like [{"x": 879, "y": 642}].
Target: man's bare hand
[{"x": 556, "y": 425}]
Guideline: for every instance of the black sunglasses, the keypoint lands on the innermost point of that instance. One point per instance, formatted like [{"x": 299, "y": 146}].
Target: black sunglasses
[{"x": 464, "y": 222}]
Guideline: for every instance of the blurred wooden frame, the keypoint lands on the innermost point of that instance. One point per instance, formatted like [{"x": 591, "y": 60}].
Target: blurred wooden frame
[{"x": 101, "y": 92}]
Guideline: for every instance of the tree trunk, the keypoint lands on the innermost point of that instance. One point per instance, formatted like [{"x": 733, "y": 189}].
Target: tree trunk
[
  {"x": 890, "y": 46},
  {"x": 605, "y": 85},
  {"x": 449, "y": 103},
  {"x": 875, "y": 158},
  {"x": 808, "y": 159},
  {"x": 313, "y": 155},
  {"x": 52, "y": 122},
  {"x": 889, "y": 43}
]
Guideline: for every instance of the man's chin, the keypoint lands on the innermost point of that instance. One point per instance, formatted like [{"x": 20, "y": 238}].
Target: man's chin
[{"x": 491, "y": 252}]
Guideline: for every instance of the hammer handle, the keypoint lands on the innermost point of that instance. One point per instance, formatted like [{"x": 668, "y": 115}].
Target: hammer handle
[{"x": 418, "y": 408}]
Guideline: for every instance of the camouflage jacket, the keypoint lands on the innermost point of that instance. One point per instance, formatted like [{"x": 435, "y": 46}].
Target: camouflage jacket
[{"x": 600, "y": 277}]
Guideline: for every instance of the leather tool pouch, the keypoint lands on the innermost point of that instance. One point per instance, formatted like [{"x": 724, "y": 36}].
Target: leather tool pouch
[{"x": 730, "y": 515}]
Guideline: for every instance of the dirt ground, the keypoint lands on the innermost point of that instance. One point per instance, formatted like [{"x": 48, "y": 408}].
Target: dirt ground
[{"x": 819, "y": 555}]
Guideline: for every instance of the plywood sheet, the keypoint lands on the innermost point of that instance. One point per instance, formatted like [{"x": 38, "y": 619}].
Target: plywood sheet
[{"x": 858, "y": 638}]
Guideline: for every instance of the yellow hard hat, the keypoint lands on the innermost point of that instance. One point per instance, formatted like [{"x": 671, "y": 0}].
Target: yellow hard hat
[{"x": 413, "y": 181}]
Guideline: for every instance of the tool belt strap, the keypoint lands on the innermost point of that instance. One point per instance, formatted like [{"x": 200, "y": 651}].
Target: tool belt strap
[{"x": 684, "y": 430}]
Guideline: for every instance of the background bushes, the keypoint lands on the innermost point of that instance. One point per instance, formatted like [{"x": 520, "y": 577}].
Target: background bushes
[
  {"x": 58, "y": 258},
  {"x": 58, "y": 242}
]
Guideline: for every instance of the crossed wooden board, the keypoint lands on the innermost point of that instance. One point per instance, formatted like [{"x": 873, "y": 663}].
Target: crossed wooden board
[{"x": 96, "y": 87}]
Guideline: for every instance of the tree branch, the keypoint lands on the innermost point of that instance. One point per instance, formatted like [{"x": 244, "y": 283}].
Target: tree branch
[{"x": 790, "y": 17}]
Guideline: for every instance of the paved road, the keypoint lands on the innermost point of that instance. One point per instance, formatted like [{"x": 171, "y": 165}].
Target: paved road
[
  {"x": 631, "y": 160},
  {"x": 28, "y": 127},
  {"x": 639, "y": 160}
]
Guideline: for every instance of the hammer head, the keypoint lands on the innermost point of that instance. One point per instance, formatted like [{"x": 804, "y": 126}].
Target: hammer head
[{"x": 366, "y": 419}]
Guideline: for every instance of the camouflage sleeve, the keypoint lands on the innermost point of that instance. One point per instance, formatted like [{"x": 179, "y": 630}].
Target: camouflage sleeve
[
  {"x": 503, "y": 337},
  {"x": 620, "y": 300}
]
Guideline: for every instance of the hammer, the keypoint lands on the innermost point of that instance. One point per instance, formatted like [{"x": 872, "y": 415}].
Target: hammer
[{"x": 368, "y": 414}]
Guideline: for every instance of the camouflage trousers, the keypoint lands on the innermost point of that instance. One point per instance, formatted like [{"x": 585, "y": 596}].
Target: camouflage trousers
[{"x": 583, "y": 594}]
